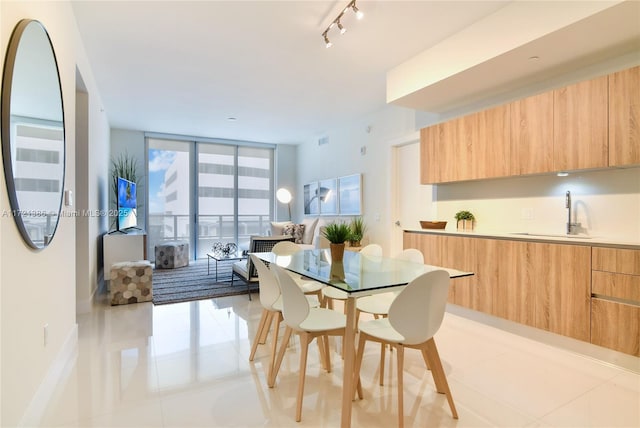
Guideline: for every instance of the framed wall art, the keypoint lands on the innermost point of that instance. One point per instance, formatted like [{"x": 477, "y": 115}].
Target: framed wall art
[
  {"x": 328, "y": 196},
  {"x": 350, "y": 194}
]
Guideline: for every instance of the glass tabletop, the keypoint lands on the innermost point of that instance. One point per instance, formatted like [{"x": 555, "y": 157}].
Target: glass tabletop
[{"x": 357, "y": 272}]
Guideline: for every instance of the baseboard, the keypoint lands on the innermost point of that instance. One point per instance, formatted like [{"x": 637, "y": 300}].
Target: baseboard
[
  {"x": 59, "y": 369},
  {"x": 605, "y": 355}
]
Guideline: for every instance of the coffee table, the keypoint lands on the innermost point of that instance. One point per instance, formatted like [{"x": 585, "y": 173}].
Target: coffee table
[{"x": 222, "y": 257}]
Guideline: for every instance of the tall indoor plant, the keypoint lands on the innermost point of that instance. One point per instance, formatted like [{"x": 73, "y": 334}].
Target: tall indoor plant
[{"x": 125, "y": 166}]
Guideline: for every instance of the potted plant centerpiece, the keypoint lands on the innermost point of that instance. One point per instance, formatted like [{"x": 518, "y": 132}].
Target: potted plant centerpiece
[
  {"x": 464, "y": 220},
  {"x": 358, "y": 228},
  {"x": 337, "y": 234}
]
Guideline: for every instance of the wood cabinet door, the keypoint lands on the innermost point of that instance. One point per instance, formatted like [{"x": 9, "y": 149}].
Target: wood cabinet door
[
  {"x": 451, "y": 252},
  {"x": 562, "y": 280},
  {"x": 490, "y": 143},
  {"x": 429, "y": 156},
  {"x": 532, "y": 134},
  {"x": 624, "y": 117},
  {"x": 615, "y": 326},
  {"x": 580, "y": 125}
]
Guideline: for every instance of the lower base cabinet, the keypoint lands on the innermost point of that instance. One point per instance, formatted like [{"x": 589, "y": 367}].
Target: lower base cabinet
[
  {"x": 615, "y": 326},
  {"x": 547, "y": 286}
]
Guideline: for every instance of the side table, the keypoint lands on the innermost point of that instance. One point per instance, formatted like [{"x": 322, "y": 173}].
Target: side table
[{"x": 222, "y": 257}]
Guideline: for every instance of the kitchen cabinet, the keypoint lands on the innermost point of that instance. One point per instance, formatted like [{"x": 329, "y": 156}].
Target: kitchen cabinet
[
  {"x": 429, "y": 155},
  {"x": 588, "y": 125},
  {"x": 580, "y": 125},
  {"x": 624, "y": 117},
  {"x": 467, "y": 148},
  {"x": 615, "y": 303},
  {"x": 542, "y": 285},
  {"x": 532, "y": 134}
]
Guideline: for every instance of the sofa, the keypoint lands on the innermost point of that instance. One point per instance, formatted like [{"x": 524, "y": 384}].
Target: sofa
[{"x": 307, "y": 234}]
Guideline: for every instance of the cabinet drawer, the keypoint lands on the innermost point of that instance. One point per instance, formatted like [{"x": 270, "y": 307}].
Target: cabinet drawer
[
  {"x": 615, "y": 326},
  {"x": 617, "y": 285},
  {"x": 616, "y": 260}
]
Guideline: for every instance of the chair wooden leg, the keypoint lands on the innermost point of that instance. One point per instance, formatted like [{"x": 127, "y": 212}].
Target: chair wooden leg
[
  {"x": 400, "y": 357},
  {"x": 325, "y": 339},
  {"x": 274, "y": 342},
  {"x": 304, "y": 348},
  {"x": 383, "y": 346},
  {"x": 256, "y": 339},
  {"x": 276, "y": 366},
  {"x": 322, "y": 351},
  {"x": 439, "y": 377},
  {"x": 425, "y": 358},
  {"x": 356, "y": 370},
  {"x": 265, "y": 330}
]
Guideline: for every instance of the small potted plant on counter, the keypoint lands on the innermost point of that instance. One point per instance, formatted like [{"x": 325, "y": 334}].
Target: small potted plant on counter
[
  {"x": 464, "y": 220},
  {"x": 337, "y": 234}
]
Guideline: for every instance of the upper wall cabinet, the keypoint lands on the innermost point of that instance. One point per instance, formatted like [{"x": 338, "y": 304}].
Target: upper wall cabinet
[
  {"x": 580, "y": 121},
  {"x": 624, "y": 117},
  {"x": 467, "y": 148},
  {"x": 591, "y": 124},
  {"x": 532, "y": 134}
]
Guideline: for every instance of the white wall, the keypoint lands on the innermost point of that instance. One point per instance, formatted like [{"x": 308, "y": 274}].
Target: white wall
[
  {"x": 39, "y": 287},
  {"x": 342, "y": 156}
]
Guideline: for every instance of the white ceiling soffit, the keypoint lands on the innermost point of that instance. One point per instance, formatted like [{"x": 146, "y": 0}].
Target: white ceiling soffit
[{"x": 492, "y": 56}]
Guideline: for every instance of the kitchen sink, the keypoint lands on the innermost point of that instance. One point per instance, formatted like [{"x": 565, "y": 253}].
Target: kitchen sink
[{"x": 551, "y": 235}]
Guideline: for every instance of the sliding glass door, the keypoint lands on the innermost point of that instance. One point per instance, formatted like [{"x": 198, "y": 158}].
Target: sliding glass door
[{"x": 226, "y": 189}]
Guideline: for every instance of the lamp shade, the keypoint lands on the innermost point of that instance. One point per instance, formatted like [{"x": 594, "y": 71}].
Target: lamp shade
[{"x": 283, "y": 195}]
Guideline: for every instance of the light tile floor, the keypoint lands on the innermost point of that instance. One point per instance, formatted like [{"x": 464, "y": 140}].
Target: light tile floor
[{"x": 186, "y": 365}]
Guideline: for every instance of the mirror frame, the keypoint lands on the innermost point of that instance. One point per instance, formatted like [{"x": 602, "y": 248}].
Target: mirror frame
[{"x": 7, "y": 80}]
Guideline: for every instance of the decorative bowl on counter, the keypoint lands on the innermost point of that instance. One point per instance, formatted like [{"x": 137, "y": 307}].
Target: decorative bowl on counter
[{"x": 433, "y": 224}]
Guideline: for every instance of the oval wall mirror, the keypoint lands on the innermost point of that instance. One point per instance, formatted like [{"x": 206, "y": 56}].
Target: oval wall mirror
[{"x": 33, "y": 137}]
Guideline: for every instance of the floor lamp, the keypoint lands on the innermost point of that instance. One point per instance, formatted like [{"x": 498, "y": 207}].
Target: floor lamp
[{"x": 284, "y": 196}]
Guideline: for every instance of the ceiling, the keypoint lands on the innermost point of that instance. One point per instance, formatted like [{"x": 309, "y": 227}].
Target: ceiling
[{"x": 183, "y": 67}]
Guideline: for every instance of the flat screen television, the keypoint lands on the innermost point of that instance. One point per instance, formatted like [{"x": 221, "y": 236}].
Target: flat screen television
[{"x": 127, "y": 217}]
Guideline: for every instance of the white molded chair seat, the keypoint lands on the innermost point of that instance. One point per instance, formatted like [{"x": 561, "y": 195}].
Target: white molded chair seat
[
  {"x": 414, "y": 318},
  {"x": 308, "y": 323},
  {"x": 378, "y": 304},
  {"x": 271, "y": 302},
  {"x": 330, "y": 293}
]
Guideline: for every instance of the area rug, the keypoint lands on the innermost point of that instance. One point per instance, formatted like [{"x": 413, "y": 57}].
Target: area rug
[{"x": 192, "y": 283}]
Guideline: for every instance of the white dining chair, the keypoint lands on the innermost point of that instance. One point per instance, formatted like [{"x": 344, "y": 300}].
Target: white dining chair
[
  {"x": 378, "y": 304},
  {"x": 271, "y": 301},
  {"x": 309, "y": 286},
  {"x": 414, "y": 318},
  {"x": 330, "y": 293},
  {"x": 308, "y": 323}
]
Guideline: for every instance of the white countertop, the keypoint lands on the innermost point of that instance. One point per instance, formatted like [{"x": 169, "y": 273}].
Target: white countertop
[{"x": 593, "y": 241}]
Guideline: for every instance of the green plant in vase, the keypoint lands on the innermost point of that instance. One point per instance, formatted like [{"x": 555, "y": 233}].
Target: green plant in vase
[
  {"x": 464, "y": 220},
  {"x": 337, "y": 234},
  {"x": 358, "y": 228}
]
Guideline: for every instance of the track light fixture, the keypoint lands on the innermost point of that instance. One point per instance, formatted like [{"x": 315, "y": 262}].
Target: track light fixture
[{"x": 336, "y": 21}]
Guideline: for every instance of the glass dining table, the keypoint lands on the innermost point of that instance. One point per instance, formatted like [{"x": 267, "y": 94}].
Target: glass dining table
[{"x": 357, "y": 275}]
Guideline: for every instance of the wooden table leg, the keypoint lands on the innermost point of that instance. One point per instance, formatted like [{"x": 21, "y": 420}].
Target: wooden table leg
[{"x": 349, "y": 362}]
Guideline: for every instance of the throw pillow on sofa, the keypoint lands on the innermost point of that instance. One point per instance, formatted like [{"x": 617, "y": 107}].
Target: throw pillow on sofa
[
  {"x": 277, "y": 228},
  {"x": 295, "y": 230}
]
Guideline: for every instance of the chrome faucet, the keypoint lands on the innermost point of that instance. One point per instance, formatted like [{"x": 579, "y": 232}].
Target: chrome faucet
[{"x": 570, "y": 225}]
